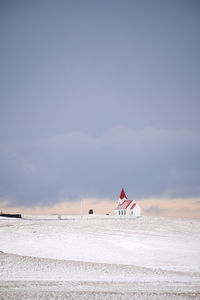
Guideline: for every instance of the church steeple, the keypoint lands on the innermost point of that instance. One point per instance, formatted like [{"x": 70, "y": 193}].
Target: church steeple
[{"x": 123, "y": 195}]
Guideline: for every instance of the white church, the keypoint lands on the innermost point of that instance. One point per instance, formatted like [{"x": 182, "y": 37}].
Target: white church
[{"x": 127, "y": 207}]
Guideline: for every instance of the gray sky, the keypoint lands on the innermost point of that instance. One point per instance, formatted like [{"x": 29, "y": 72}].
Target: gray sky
[{"x": 96, "y": 95}]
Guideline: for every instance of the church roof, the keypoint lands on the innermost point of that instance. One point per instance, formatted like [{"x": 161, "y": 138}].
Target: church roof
[
  {"x": 134, "y": 204},
  {"x": 125, "y": 204}
]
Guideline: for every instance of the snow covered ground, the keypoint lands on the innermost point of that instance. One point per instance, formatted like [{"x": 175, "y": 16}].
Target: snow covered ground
[{"x": 99, "y": 258}]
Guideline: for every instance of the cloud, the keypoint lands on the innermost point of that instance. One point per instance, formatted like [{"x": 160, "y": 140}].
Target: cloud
[
  {"x": 154, "y": 210},
  {"x": 63, "y": 206},
  {"x": 167, "y": 207},
  {"x": 148, "y": 163}
]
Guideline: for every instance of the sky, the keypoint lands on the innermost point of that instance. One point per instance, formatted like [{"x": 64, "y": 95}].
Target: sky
[{"x": 96, "y": 96}]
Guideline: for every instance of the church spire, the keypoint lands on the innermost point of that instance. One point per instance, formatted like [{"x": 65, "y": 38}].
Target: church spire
[{"x": 123, "y": 195}]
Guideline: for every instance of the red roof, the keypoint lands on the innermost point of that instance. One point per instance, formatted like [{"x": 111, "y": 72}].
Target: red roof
[
  {"x": 122, "y": 195},
  {"x": 125, "y": 204},
  {"x": 134, "y": 204}
]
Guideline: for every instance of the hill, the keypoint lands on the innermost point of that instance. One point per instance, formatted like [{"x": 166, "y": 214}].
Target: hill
[{"x": 149, "y": 256}]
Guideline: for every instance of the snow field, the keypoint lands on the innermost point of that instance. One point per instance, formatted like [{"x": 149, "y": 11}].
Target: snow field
[
  {"x": 99, "y": 258},
  {"x": 167, "y": 244}
]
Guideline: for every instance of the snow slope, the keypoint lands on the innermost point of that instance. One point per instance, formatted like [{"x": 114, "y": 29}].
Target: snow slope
[
  {"x": 169, "y": 244},
  {"x": 147, "y": 249}
]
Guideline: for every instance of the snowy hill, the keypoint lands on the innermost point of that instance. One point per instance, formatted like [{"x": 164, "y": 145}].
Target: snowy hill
[{"x": 151, "y": 250}]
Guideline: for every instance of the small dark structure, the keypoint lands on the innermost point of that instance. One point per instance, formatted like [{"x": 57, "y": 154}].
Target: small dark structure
[
  {"x": 90, "y": 212},
  {"x": 11, "y": 215}
]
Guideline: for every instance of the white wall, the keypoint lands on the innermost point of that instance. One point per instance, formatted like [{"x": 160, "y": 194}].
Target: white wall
[{"x": 136, "y": 212}]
